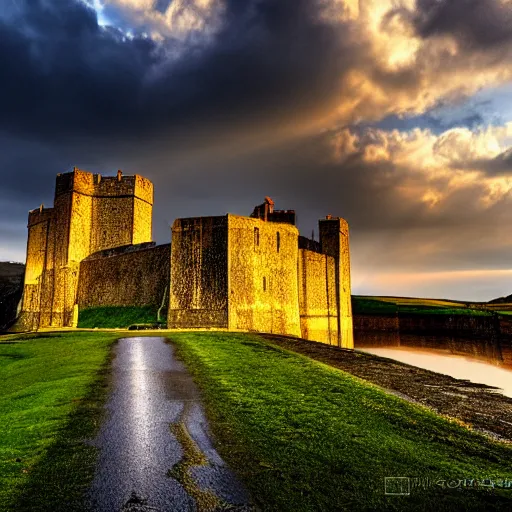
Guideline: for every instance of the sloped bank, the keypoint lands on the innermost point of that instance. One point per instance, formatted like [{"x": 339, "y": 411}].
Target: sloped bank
[
  {"x": 477, "y": 405},
  {"x": 304, "y": 436}
]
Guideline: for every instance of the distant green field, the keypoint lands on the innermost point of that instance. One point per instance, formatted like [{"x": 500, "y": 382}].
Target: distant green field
[
  {"x": 392, "y": 305},
  {"x": 116, "y": 317}
]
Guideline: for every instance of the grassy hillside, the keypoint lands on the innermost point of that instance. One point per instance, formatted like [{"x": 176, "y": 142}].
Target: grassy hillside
[
  {"x": 302, "y": 435},
  {"x": 305, "y": 436},
  {"x": 363, "y": 304}
]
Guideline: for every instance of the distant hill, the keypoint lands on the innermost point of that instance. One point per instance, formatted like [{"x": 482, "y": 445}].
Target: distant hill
[
  {"x": 11, "y": 289},
  {"x": 501, "y": 300}
]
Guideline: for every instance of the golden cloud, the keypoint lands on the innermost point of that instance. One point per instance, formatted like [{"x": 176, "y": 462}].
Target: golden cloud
[
  {"x": 179, "y": 20},
  {"x": 402, "y": 72},
  {"x": 433, "y": 167}
]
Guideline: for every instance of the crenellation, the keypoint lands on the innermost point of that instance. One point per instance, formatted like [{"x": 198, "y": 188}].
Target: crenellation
[
  {"x": 143, "y": 189},
  {"x": 38, "y": 215}
]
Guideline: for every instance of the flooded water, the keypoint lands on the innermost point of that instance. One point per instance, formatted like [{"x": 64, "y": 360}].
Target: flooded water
[
  {"x": 475, "y": 369},
  {"x": 474, "y": 348}
]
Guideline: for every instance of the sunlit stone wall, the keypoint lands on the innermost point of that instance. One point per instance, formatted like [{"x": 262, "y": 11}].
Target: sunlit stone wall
[
  {"x": 318, "y": 306},
  {"x": 90, "y": 213},
  {"x": 39, "y": 222},
  {"x": 199, "y": 281},
  {"x": 262, "y": 268},
  {"x": 229, "y": 272},
  {"x": 248, "y": 274},
  {"x": 334, "y": 241}
]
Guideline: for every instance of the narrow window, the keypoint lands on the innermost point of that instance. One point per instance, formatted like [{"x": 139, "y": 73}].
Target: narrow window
[
  {"x": 278, "y": 241},
  {"x": 256, "y": 237},
  {"x": 264, "y": 284}
]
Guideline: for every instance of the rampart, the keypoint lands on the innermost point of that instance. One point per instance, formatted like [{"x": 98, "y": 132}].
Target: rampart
[
  {"x": 318, "y": 306},
  {"x": 334, "y": 241},
  {"x": 131, "y": 278},
  {"x": 262, "y": 270},
  {"x": 199, "y": 281},
  {"x": 256, "y": 274}
]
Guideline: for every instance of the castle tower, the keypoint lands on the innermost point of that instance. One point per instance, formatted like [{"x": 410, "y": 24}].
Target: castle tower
[
  {"x": 39, "y": 221},
  {"x": 236, "y": 273},
  {"x": 334, "y": 242},
  {"x": 91, "y": 213}
]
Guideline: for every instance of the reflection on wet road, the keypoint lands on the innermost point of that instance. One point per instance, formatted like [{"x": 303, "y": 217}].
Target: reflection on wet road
[
  {"x": 155, "y": 452},
  {"x": 459, "y": 367}
]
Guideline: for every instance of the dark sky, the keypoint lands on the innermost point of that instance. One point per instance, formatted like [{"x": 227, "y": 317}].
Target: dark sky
[{"x": 394, "y": 115}]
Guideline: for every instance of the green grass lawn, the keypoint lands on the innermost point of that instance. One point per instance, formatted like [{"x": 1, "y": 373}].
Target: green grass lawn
[
  {"x": 302, "y": 435},
  {"x": 51, "y": 399},
  {"x": 305, "y": 436},
  {"x": 116, "y": 317}
]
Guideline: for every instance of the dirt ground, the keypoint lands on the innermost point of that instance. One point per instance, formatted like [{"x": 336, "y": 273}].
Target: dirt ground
[{"x": 481, "y": 406}]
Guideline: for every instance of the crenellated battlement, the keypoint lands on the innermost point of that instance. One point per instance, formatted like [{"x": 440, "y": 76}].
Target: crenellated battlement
[
  {"x": 39, "y": 215},
  {"x": 94, "y": 184}
]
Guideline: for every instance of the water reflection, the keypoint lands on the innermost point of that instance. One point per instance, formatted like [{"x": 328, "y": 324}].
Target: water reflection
[
  {"x": 478, "y": 340},
  {"x": 447, "y": 363}
]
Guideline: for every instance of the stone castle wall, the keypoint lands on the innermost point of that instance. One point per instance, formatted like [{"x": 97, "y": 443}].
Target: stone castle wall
[
  {"x": 228, "y": 272},
  {"x": 262, "y": 269},
  {"x": 135, "y": 278},
  {"x": 318, "y": 306},
  {"x": 248, "y": 274},
  {"x": 334, "y": 241},
  {"x": 90, "y": 213},
  {"x": 199, "y": 289},
  {"x": 37, "y": 247}
]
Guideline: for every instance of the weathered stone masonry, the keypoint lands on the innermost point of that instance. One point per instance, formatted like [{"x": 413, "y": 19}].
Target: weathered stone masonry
[
  {"x": 90, "y": 213},
  {"x": 256, "y": 274},
  {"x": 130, "y": 276},
  {"x": 93, "y": 248}
]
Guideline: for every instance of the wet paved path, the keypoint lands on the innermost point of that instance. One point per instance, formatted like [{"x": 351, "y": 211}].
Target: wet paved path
[{"x": 155, "y": 452}]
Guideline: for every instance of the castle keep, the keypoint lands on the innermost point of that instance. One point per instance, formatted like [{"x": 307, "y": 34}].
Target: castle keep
[{"x": 94, "y": 248}]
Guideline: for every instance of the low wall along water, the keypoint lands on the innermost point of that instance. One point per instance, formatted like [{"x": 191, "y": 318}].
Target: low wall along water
[{"x": 487, "y": 338}]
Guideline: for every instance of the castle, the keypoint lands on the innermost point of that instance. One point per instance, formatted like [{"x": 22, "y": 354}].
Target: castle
[{"x": 94, "y": 248}]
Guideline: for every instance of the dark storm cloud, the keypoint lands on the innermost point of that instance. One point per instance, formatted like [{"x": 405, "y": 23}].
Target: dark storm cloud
[
  {"x": 499, "y": 165},
  {"x": 476, "y": 23},
  {"x": 218, "y": 123},
  {"x": 63, "y": 75}
]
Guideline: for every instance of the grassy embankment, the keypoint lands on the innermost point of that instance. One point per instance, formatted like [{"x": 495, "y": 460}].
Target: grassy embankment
[
  {"x": 51, "y": 399},
  {"x": 305, "y": 436},
  {"x": 116, "y": 317}
]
